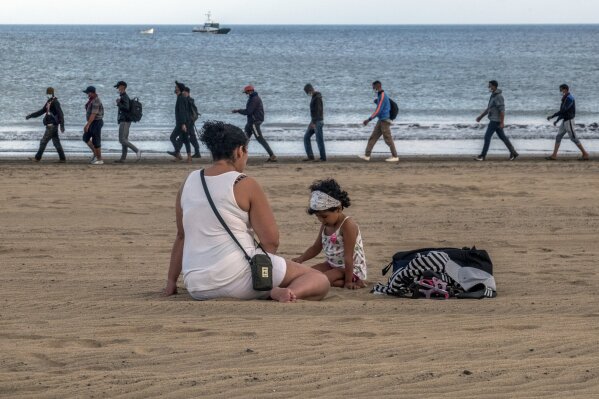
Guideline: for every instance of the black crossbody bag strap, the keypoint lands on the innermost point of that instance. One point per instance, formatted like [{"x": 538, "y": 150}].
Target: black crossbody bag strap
[{"x": 221, "y": 220}]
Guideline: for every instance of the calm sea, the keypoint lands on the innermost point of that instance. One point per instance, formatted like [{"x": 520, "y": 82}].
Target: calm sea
[{"x": 437, "y": 74}]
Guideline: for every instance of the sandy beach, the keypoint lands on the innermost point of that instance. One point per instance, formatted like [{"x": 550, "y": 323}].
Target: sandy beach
[{"x": 84, "y": 253}]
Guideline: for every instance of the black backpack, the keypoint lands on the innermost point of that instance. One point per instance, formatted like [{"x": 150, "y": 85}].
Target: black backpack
[
  {"x": 394, "y": 110},
  {"x": 195, "y": 114},
  {"x": 135, "y": 110}
]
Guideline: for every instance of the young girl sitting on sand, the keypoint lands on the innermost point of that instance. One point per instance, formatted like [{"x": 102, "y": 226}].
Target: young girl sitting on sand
[{"x": 339, "y": 236}]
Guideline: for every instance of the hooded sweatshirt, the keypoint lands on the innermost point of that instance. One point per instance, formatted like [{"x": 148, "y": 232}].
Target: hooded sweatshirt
[
  {"x": 496, "y": 106},
  {"x": 254, "y": 110}
]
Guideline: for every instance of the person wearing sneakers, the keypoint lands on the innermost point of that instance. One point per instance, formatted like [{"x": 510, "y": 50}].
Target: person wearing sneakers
[
  {"x": 566, "y": 114},
  {"x": 124, "y": 107},
  {"x": 180, "y": 135},
  {"x": 383, "y": 125},
  {"x": 496, "y": 114},
  {"x": 53, "y": 118},
  {"x": 92, "y": 132},
  {"x": 316, "y": 125},
  {"x": 254, "y": 110}
]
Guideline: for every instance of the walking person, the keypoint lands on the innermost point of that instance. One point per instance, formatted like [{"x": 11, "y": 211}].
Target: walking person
[
  {"x": 92, "y": 132},
  {"x": 496, "y": 114},
  {"x": 316, "y": 124},
  {"x": 193, "y": 117},
  {"x": 123, "y": 104},
  {"x": 254, "y": 110},
  {"x": 383, "y": 125},
  {"x": 566, "y": 114},
  {"x": 53, "y": 118},
  {"x": 180, "y": 136}
]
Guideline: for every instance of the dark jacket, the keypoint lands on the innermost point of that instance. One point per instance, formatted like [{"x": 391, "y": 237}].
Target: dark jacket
[
  {"x": 54, "y": 116},
  {"x": 567, "y": 111},
  {"x": 254, "y": 109},
  {"x": 182, "y": 111},
  {"x": 316, "y": 108},
  {"x": 124, "y": 107}
]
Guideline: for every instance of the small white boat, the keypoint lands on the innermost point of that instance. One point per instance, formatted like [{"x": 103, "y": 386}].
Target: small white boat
[
  {"x": 147, "y": 31},
  {"x": 211, "y": 27}
]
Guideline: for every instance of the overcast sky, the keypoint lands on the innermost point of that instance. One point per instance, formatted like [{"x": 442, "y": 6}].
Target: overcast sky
[{"x": 191, "y": 12}]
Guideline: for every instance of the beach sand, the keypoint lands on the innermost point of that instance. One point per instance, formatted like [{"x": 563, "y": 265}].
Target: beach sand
[{"x": 84, "y": 254}]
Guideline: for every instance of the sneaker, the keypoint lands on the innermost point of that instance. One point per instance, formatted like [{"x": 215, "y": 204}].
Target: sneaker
[
  {"x": 392, "y": 159},
  {"x": 308, "y": 160},
  {"x": 174, "y": 154},
  {"x": 364, "y": 157},
  {"x": 93, "y": 159},
  {"x": 119, "y": 161},
  {"x": 513, "y": 156},
  {"x": 138, "y": 156},
  {"x": 479, "y": 158},
  {"x": 98, "y": 162},
  {"x": 198, "y": 155},
  {"x": 272, "y": 159},
  {"x": 34, "y": 159},
  {"x": 61, "y": 161}
]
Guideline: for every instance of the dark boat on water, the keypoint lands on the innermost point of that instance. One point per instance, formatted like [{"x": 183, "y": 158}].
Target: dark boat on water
[{"x": 212, "y": 27}]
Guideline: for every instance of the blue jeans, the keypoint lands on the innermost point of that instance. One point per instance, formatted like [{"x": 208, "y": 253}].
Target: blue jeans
[
  {"x": 319, "y": 141},
  {"x": 491, "y": 129}
]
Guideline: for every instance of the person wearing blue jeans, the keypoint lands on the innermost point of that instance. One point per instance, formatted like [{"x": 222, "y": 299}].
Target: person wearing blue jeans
[
  {"x": 316, "y": 125},
  {"x": 496, "y": 114}
]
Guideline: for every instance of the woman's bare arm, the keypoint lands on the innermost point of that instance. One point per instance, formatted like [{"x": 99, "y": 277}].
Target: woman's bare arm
[{"x": 177, "y": 251}]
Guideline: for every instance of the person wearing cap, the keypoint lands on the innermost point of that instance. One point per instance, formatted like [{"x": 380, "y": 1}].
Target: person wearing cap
[
  {"x": 383, "y": 125},
  {"x": 92, "y": 132},
  {"x": 254, "y": 110},
  {"x": 191, "y": 128},
  {"x": 180, "y": 135},
  {"x": 316, "y": 124},
  {"x": 53, "y": 118},
  {"x": 123, "y": 104}
]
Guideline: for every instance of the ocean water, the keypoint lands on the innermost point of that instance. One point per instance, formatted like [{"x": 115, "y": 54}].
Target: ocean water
[{"x": 437, "y": 74}]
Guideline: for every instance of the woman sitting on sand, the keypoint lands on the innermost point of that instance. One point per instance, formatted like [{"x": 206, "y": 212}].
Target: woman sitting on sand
[{"x": 213, "y": 265}]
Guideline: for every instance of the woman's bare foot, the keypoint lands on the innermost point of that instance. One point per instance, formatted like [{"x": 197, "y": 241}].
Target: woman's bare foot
[{"x": 282, "y": 295}]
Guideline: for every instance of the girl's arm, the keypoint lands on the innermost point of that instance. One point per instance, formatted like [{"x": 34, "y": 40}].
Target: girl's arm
[
  {"x": 313, "y": 251},
  {"x": 350, "y": 236},
  {"x": 177, "y": 251}
]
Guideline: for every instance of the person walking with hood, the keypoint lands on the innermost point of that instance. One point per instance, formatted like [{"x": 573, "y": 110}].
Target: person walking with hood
[
  {"x": 383, "y": 125},
  {"x": 180, "y": 135},
  {"x": 254, "y": 110},
  {"x": 316, "y": 124},
  {"x": 123, "y": 104},
  {"x": 566, "y": 114},
  {"x": 496, "y": 114},
  {"x": 53, "y": 118},
  {"x": 92, "y": 132}
]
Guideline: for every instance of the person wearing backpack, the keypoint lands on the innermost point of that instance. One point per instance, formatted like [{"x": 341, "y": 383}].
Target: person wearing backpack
[
  {"x": 123, "y": 104},
  {"x": 254, "y": 110},
  {"x": 194, "y": 115},
  {"x": 383, "y": 125},
  {"x": 53, "y": 117}
]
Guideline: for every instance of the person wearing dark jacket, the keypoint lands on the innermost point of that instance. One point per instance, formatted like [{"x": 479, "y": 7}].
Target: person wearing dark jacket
[
  {"x": 316, "y": 124},
  {"x": 191, "y": 128},
  {"x": 566, "y": 114},
  {"x": 496, "y": 114},
  {"x": 123, "y": 104},
  {"x": 254, "y": 110},
  {"x": 53, "y": 118},
  {"x": 180, "y": 133}
]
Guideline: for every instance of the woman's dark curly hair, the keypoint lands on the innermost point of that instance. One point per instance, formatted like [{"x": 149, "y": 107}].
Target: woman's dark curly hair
[
  {"x": 222, "y": 139},
  {"x": 332, "y": 188}
]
